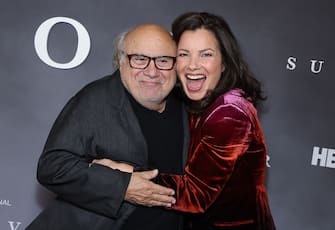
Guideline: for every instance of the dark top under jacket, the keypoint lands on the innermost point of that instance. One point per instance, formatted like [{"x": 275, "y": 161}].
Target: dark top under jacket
[{"x": 165, "y": 142}]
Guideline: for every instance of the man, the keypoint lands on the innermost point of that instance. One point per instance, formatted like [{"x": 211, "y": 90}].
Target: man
[{"x": 130, "y": 116}]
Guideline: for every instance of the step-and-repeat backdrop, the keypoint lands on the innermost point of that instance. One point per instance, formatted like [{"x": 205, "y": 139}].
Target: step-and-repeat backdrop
[{"x": 50, "y": 49}]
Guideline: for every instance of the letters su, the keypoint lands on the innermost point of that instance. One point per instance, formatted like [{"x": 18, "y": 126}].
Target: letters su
[{"x": 315, "y": 66}]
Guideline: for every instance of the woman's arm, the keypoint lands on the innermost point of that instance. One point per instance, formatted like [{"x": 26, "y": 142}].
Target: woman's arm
[{"x": 225, "y": 136}]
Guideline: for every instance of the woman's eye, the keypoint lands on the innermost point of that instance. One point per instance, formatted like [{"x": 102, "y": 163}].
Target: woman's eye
[
  {"x": 206, "y": 55},
  {"x": 182, "y": 55}
]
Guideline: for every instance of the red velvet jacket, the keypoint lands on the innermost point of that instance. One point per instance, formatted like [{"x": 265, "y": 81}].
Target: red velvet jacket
[{"x": 224, "y": 175}]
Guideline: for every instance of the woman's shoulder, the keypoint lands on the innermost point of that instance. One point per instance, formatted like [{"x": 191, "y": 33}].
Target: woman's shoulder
[
  {"x": 235, "y": 97},
  {"x": 229, "y": 111},
  {"x": 233, "y": 102}
]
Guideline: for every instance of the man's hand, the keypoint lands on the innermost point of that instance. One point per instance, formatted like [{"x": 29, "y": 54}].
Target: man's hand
[
  {"x": 141, "y": 190},
  {"x": 144, "y": 192}
]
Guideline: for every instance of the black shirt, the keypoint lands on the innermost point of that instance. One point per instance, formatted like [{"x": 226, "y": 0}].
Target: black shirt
[{"x": 164, "y": 137}]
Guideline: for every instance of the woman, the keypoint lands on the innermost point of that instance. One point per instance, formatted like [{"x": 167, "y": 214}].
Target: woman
[
  {"x": 223, "y": 183},
  {"x": 224, "y": 175}
]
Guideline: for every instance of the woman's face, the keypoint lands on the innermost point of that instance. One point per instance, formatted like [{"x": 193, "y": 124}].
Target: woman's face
[{"x": 199, "y": 62}]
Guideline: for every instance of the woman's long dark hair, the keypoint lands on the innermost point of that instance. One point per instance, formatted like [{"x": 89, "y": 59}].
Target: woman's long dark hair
[{"x": 236, "y": 73}]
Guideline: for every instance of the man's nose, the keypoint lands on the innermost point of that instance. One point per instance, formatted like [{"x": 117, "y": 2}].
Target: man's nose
[{"x": 151, "y": 69}]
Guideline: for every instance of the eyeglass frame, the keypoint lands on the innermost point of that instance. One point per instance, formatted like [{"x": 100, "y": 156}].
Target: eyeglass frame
[{"x": 149, "y": 60}]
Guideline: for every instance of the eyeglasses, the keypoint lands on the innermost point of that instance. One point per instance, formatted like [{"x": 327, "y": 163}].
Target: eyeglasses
[{"x": 139, "y": 61}]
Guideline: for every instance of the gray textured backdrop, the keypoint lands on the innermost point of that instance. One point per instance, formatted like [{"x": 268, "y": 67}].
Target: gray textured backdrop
[{"x": 298, "y": 115}]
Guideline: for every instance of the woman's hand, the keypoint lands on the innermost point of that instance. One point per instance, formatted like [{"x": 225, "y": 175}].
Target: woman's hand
[{"x": 114, "y": 165}]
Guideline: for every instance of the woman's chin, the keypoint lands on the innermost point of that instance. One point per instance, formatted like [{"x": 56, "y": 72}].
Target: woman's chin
[{"x": 195, "y": 96}]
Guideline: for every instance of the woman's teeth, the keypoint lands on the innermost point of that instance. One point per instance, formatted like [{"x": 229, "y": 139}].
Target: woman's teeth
[{"x": 195, "y": 77}]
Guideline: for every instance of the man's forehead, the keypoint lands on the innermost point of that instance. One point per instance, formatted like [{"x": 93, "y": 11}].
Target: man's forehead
[
  {"x": 151, "y": 46},
  {"x": 149, "y": 37}
]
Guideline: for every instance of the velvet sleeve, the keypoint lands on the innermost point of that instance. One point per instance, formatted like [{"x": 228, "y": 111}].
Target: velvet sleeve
[{"x": 225, "y": 135}]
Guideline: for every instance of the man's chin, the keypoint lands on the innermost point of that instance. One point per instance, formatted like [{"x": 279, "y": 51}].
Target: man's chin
[
  {"x": 156, "y": 99},
  {"x": 152, "y": 96}
]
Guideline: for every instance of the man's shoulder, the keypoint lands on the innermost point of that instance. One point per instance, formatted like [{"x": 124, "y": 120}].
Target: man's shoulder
[
  {"x": 107, "y": 89},
  {"x": 110, "y": 83}
]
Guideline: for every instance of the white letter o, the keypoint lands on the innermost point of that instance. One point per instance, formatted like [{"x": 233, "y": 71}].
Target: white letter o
[{"x": 41, "y": 43}]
